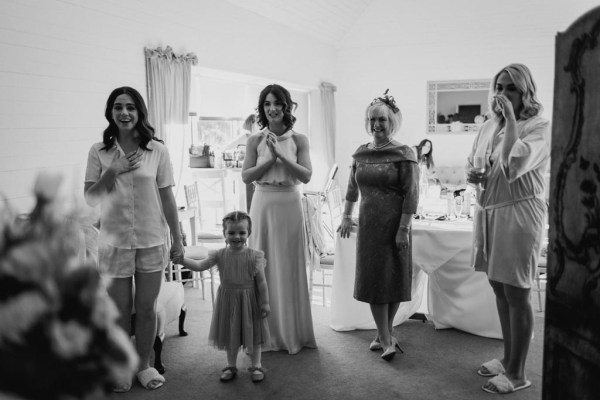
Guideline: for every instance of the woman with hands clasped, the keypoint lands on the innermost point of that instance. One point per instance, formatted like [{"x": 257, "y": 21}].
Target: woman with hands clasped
[
  {"x": 278, "y": 161},
  {"x": 386, "y": 175},
  {"x": 129, "y": 175},
  {"x": 513, "y": 152}
]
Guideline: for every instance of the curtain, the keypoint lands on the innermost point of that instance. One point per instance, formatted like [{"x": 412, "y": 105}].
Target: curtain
[
  {"x": 328, "y": 108},
  {"x": 168, "y": 78}
]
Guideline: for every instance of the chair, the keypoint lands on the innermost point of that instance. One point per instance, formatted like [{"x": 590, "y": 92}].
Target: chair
[
  {"x": 216, "y": 197},
  {"x": 325, "y": 264},
  {"x": 194, "y": 204},
  {"x": 331, "y": 197},
  {"x": 323, "y": 198},
  {"x": 540, "y": 281},
  {"x": 195, "y": 252},
  {"x": 174, "y": 271}
]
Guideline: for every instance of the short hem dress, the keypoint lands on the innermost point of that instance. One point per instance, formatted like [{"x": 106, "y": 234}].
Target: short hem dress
[{"x": 237, "y": 319}]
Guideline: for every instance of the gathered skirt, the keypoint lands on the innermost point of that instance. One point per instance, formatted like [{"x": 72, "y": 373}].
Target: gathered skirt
[{"x": 237, "y": 320}]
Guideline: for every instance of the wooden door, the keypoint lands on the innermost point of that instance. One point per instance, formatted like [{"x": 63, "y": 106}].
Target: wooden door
[{"x": 572, "y": 331}]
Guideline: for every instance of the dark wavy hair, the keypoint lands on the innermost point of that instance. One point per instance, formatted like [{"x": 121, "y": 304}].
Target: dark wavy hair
[
  {"x": 237, "y": 216},
  {"x": 143, "y": 127},
  {"x": 283, "y": 95},
  {"x": 426, "y": 158},
  {"x": 523, "y": 80}
]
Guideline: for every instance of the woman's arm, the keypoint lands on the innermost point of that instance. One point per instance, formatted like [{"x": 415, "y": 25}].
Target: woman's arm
[
  {"x": 263, "y": 290},
  {"x": 301, "y": 169},
  {"x": 170, "y": 211},
  {"x": 346, "y": 225},
  {"x": 250, "y": 171}
]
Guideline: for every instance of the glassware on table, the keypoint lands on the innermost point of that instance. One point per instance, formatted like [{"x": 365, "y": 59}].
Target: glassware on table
[
  {"x": 458, "y": 205},
  {"x": 479, "y": 168}
]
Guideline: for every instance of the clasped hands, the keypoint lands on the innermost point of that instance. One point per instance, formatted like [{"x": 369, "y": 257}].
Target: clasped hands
[{"x": 274, "y": 146}]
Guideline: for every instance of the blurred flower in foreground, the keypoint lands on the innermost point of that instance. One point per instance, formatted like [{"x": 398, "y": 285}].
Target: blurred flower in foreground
[{"x": 58, "y": 333}]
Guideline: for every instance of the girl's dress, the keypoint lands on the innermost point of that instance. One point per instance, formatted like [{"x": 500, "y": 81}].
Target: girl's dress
[
  {"x": 237, "y": 317},
  {"x": 387, "y": 181},
  {"x": 510, "y": 214},
  {"x": 278, "y": 230}
]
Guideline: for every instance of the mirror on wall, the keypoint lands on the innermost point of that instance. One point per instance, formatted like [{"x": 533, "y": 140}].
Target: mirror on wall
[{"x": 457, "y": 106}]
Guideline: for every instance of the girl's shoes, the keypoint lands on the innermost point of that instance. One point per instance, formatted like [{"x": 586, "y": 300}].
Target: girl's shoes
[
  {"x": 257, "y": 374},
  {"x": 228, "y": 374}
]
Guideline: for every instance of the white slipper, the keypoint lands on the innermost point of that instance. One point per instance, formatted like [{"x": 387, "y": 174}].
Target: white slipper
[
  {"x": 150, "y": 378},
  {"x": 491, "y": 368},
  {"x": 502, "y": 385}
]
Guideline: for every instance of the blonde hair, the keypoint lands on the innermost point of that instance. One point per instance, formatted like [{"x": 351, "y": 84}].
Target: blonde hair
[
  {"x": 523, "y": 80},
  {"x": 395, "y": 118}
]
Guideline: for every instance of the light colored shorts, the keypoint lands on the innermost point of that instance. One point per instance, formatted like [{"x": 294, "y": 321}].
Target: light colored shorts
[{"x": 124, "y": 263}]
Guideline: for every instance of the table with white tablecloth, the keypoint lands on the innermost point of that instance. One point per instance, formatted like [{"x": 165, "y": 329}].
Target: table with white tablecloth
[{"x": 445, "y": 286}]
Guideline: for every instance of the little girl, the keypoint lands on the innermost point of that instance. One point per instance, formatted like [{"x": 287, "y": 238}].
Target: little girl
[{"x": 242, "y": 299}]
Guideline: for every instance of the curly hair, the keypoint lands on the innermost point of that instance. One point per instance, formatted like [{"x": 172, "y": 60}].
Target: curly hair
[
  {"x": 237, "y": 216},
  {"x": 523, "y": 80},
  {"x": 143, "y": 126},
  {"x": 282, "y": 95}
]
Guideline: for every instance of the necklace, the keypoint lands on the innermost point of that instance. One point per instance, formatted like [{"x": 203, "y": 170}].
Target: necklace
[{"x": 381, "y": 146}]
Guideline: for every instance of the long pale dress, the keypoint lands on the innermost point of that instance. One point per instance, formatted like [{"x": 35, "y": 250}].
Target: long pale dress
[
  {"x": 510, "y": 213},
  {"x": 278, "y": 230},
  {"x": 388, "y": 183},
  {"x": 237, "y": 319}
]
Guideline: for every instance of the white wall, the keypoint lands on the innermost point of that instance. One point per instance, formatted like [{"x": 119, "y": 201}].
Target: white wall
[
  {"x": 59, "y": 60},
  {"x": 403, "y": 44}
]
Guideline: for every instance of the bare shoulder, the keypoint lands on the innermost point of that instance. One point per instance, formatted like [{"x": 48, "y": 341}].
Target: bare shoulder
[
  {"x": 300, "y": 139},
  {"x": 254, "y": 139}
]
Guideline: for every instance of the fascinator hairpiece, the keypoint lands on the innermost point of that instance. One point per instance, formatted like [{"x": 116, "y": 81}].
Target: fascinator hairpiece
[{"x": 387, "y": 100}]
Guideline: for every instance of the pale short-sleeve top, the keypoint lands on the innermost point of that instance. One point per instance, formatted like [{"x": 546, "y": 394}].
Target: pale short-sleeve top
[
  {"x": 131, "y": 214},
  {"x": 278, "y": 174}
]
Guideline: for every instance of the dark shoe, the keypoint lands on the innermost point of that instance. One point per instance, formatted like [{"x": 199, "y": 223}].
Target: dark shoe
[
  {"x": 375, "y": 344},
  {"x": 257, "y": 374},
  {"x": 228, "y": 374},
  {"x": 397, "y": 345}
]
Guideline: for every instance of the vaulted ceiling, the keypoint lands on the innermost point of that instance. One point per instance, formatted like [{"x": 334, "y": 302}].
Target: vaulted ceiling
[{"x": 325, "y": 20}]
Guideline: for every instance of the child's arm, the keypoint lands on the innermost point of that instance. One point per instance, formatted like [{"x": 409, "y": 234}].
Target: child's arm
[
  {"x": 197, "y": 265},
  {"x": 263, "y": 290}
]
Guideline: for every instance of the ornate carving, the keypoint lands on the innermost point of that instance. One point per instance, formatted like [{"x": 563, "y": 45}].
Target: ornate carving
[{"x": 578, "y": 241}]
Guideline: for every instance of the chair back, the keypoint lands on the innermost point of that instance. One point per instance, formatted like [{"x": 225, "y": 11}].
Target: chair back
[
  {"x": 191, "y": 195},
  {"x": 331, "y": 178}
]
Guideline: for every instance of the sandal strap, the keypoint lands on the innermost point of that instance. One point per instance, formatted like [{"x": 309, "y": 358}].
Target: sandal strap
[
  {"x": 232, "y": 369},
  {"x": 261, "y": 369}
]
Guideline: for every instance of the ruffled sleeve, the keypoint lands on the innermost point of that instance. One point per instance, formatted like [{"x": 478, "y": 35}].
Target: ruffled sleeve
[
  {"x": 531, "y": 150},
  {"x": 260, "y": 263}
]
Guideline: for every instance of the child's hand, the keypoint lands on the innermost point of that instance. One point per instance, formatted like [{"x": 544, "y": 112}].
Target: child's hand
[{"x": 265, "y": 310}]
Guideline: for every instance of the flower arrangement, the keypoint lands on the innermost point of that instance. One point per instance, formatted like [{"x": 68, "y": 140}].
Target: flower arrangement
[{"x": 58, "y": 333}]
